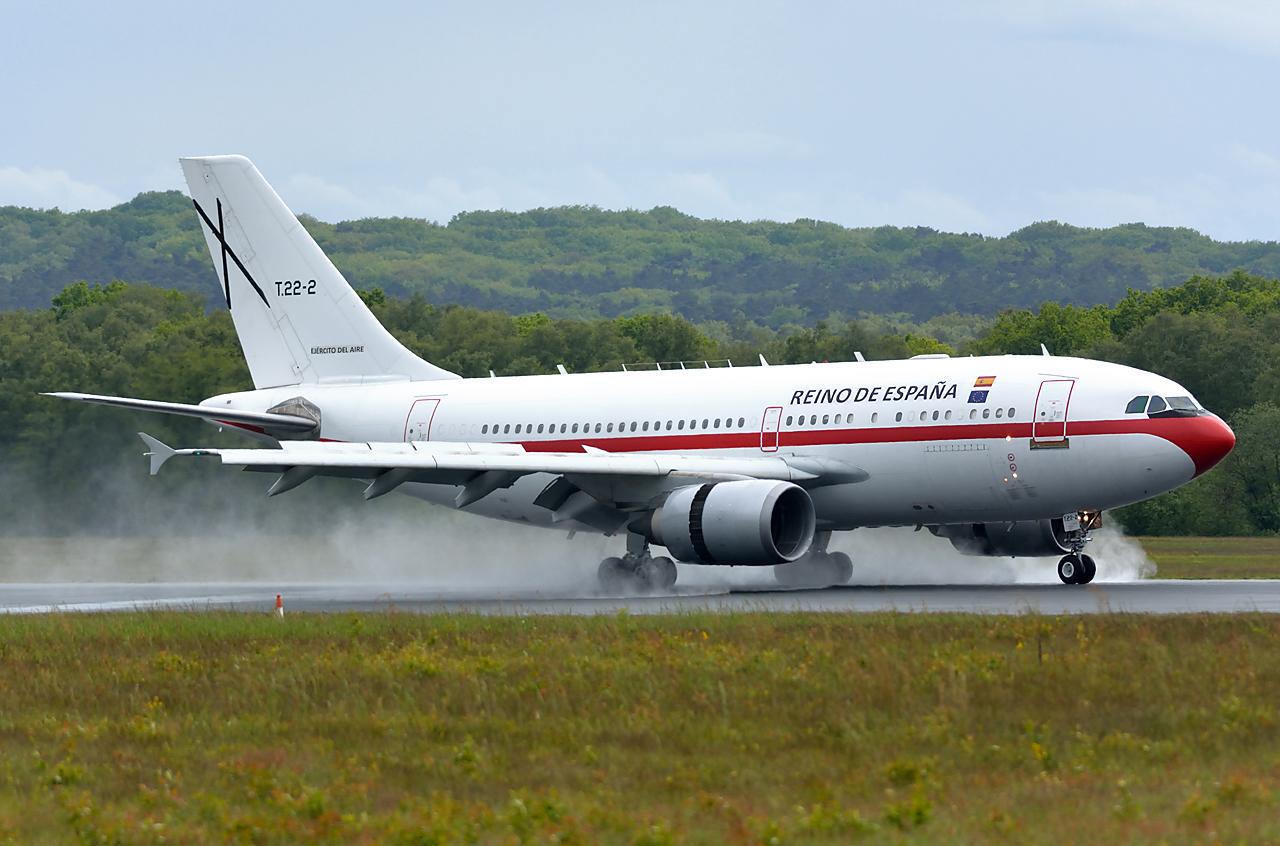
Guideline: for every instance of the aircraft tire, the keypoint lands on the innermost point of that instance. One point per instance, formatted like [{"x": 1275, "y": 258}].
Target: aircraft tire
[
  {"x": 815, "y": 570},
  {"x": 1071, "y": 569},
  {"x": 657, "y": 573},
  {"x": 1090, "y": 569},
  {"x": 843, "y": 567},
  {"x": 614, "y": 576}
]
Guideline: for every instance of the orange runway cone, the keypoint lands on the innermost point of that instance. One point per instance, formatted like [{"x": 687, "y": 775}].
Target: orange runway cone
[{"x": 279, "y": 606}]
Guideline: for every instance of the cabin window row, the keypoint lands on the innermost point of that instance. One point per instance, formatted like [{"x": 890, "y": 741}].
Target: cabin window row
[
  {"x": 924, "y": 416},
  {"x": 610, "y": 428}
]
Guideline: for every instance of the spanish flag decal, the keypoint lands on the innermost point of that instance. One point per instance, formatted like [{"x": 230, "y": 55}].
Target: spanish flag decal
[{"x": 985, "y": 382}]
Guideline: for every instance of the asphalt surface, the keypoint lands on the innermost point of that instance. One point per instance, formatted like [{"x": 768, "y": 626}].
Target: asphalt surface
[{"x": 1149, "y": 596}]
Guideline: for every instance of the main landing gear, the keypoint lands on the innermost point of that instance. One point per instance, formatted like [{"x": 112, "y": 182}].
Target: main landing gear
[
  {"x": 817, "y": 569},
  {"x": 637, "y": 570},
  {"x": 1076, "y": 568}
]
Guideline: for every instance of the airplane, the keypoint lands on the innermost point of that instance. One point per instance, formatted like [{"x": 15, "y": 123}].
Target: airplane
[{"x": 745, "y": 466}]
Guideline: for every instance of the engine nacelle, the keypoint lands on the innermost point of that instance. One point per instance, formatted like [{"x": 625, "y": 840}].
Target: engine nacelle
[
  {"x": 1024, "y": 539},
  {"x": 750, "y": 523}
]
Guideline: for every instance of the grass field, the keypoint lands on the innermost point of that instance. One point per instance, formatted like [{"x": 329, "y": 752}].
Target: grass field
[
  {"x": 700, "y": 729},
  {"x": 1215, "y": 558}
]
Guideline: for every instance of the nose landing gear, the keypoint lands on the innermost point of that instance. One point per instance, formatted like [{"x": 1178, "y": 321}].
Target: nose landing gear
[
  {"x": 637, "y": 570},
  {"x": 1076, "y": 568}
]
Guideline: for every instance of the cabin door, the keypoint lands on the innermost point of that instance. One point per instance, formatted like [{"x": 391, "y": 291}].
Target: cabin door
[
  {"x": 418, "y": 425},
  {"x": 1049, "y": 423},
  {"x": 769, "y": 426}
]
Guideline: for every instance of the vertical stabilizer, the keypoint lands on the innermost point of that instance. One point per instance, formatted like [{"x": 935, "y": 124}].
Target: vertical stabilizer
[{"x": 297, "y": 318}]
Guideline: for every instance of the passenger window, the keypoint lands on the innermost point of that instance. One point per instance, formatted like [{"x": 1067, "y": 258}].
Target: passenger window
[
  {"x": 506, "y": 429},
  {"x": 610, "y": 429},
  {"x": 986, "y": 412},
  {"x": 564, "y": 426},
  {"x": 813, "y": 421},
  {"x": 875, "y": 415},
  {"x": 575, "y": 428},
  {"x": 668, "y": 425},
  {"x": 715, "y": 424},
  {"x": 706, "y": 424},
  {"x": 973, "y": 412},
  {"x": 681, "y": 425},
  {"x": 837, "y": 420},
  {"x": 633, "y": 425},
  {"x": 824, "y": 419},
  {"x": 788, "y": 420},
  {"x": 898, "y": 418},
  {"x": 484, "y": 430},
  {"x": 1011, "y": 413},
  {"x": 645, "y": 427},
  {"x": 1136, "y": 405},
  {"x": 540, "y": 428},
  {"x": 948, "y": 416},
  {"x": 999, "y": 412},
  {"x": 935, "y": 415},
  {"x": 517, "y": 428},
  {"x": 598, "y": 428},
  {"x": 1157, "y": 405},
  {"x": 742, "y": 421}
]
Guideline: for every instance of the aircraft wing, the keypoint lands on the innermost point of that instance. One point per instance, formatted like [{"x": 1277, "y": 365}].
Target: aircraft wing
[{"x": 484, "y": 467}]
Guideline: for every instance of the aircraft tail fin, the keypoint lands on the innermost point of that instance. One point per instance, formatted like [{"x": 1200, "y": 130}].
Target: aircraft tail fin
[{"x": 298, "y": 319}]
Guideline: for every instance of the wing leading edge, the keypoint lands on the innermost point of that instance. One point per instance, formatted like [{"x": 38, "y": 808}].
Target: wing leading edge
[{"x": 483, "y": 468}]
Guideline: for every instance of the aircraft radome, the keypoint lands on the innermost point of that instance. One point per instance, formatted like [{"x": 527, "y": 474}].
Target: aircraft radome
[{"x": 749, "y": 466}]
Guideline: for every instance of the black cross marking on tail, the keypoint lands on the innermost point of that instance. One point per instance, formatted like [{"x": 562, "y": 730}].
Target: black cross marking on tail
[{"x": 219, "y": 233}]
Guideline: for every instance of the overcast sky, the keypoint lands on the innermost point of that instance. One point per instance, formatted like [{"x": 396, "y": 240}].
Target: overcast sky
[{"x": 980, "y": 117}]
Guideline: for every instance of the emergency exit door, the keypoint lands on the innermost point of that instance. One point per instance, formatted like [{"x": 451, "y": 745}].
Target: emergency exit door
[
  {"x": 769, "y": 426},
  {"x": 418, "y": 425},
  {"x": 1049, "y": 423}
]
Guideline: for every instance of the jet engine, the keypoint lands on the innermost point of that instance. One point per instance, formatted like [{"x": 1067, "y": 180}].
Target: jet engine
[
  {"x": 754, "y": 522},
  {"x": 1024, "y": 539}
]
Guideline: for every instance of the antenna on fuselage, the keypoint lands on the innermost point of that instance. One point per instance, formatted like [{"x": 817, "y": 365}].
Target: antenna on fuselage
[
  {"x": 858, "y": 356},
  {"x": 1045, "y": 351},
  {"x": 763, "y": 363}
]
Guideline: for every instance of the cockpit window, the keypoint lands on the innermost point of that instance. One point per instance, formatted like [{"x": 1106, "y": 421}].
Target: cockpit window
[
  {"x": 1182, "y": 403},
  {"x": 1137, "y": 405},
  {"x": 1157, "y": 405}
]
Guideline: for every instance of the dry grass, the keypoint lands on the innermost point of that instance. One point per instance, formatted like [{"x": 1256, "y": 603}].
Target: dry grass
[
  {"x": 1215, "y": 558},
  {"x": 760, "y": 728}
]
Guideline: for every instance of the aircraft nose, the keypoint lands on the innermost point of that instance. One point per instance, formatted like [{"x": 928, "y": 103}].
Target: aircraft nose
[{"x": 1207, "y": 442}]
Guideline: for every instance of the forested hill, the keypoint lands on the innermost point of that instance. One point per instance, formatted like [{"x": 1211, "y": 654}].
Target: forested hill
[{"x": 579, "y": 261}]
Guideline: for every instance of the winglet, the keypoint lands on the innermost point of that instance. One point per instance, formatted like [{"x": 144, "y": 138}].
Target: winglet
[
  {"x": 159, "y": 453},
  {"x": 1044, "y": 350}
]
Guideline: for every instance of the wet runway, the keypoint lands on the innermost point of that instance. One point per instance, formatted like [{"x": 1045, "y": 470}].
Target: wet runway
[{"x": 1147, "y": 596}]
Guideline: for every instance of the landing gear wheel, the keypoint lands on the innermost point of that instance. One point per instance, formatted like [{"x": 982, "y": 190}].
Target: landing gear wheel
[
  {"x": 614, "y": 575},
  {"x": 815, "y": 570},
  {"x": 657, "y": 573},
  {"x": 1090, "y": 569},
  {"x": 1071, "y": 569},
  {"x": 843, "y": 567}
]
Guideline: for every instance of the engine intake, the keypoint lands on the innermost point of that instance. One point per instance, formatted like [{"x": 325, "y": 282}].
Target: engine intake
[
  {"x": 750, "y": 523},
  {"x": 1024, "y": 539}
]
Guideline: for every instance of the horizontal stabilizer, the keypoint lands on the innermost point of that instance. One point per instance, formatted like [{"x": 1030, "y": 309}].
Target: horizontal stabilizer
[{"x": 266, "y": 420}]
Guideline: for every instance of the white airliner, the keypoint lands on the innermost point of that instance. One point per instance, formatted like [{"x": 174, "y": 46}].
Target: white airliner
[{"x": 749, "y": 466}]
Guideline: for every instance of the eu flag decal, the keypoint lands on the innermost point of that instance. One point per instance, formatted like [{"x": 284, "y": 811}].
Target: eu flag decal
[
  {"x": 985, "y": 382},
  {"x": 978, "y": 396}
]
